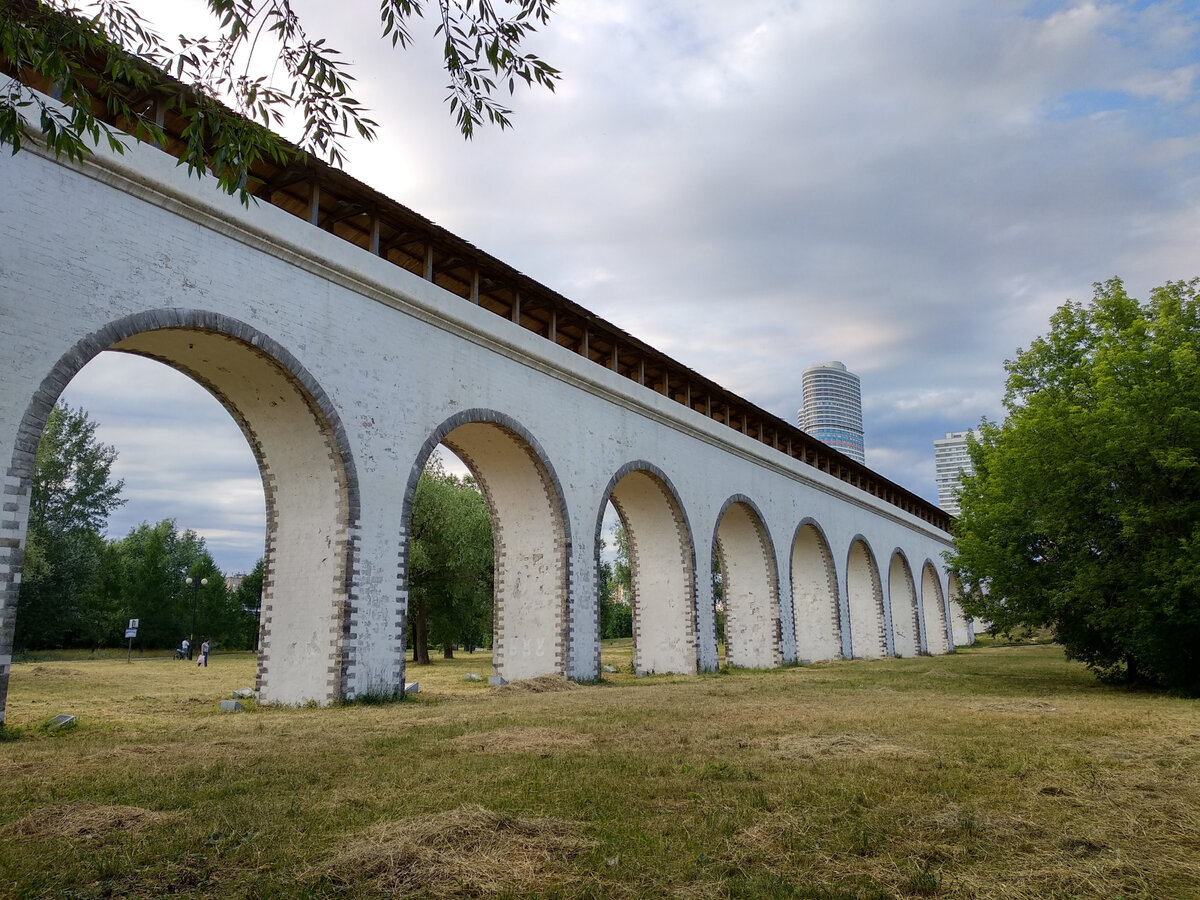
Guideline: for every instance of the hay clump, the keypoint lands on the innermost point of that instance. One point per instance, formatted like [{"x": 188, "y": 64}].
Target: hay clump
[
  {"x": 43, "y": 671},
  {"x": 522, "y": 740},
  {"x": 83, "y": 821},
  {"x": 468, "y": 851},
  {"x": 543, "y": 684},
  {"x": 810, "y": 746}
]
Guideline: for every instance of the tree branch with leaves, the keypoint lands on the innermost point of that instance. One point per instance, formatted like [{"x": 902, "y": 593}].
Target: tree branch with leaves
[{"x": 261, "y": 70}]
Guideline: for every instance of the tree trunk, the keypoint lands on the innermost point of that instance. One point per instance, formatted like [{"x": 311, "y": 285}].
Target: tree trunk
[
  {"x": 420, "y": 634},
  {"x": 447, "y": 651}
]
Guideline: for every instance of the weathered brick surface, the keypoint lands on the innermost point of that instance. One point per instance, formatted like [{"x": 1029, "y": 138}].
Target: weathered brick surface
[{"x": 343, "y": 372}]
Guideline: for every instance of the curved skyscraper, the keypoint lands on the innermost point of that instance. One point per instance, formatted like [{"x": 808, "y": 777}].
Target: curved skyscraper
[{"x": 832, "y": 411}]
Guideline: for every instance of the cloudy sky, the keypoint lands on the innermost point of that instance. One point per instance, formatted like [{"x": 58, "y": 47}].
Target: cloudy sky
[{"x": 753, "y": 187}]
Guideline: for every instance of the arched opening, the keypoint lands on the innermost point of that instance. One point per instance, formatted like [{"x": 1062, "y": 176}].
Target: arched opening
[
  {"x": 307, "y": 474},
  {"x": 750, "y": 587},
  {"x": 933, "y": 609},
  {"x": 451, "y": 562},
  {"x": 902, "y": 594},
  {"x": 662, "y": 568},
  {"x": 960, "y": 626},
  {"x": 531, "y": 541},
  {"x": 814, "y": 596},
  {"x": 865, "y": 594}
]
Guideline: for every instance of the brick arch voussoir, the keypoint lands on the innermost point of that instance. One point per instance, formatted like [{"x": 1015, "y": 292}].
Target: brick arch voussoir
[
  {"x": 550, "y": 479},
  {"x": 769, "y": 556},
  {"x": 831, "y": 573},
  {"x": 678, "y": 512},
  {"x": 930, "y": 566},
  {"x": 913, "y": 598},
  {"x": 876, "y": 586},
  {"x": 326, "y": 416}
]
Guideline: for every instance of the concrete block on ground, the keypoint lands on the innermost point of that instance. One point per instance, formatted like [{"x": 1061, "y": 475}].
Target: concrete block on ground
[
  {"x": 412, "y": 687},
  {"x": 231, "y": 706},
  {"x": 496, "y": 680}
]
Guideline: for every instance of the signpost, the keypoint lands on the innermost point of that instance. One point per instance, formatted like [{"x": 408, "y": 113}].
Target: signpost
[{"x": 130, "y": 634}]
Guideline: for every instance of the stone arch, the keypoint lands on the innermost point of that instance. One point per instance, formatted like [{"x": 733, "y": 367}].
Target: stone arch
[
  {"x": 933, "y": 609},
  {"x": 662, "y": 560},
  {"x": 902, "y": 597},
  {"x": 865, "y": 596},
  {"x": 531, "y": 537},
  {"x": 960, "y": 626},
  {"x": 309, "y": 482},
  {"x": 751, "y": 582},
  {"x": 815, "y": 595}
]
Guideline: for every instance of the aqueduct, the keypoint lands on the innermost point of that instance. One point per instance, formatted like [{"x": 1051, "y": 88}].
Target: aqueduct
[{"x": 348, "y": 337}]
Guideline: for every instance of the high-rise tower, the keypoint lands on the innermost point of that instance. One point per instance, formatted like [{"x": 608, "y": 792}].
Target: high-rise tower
[
  {"x": 951, "y": 459},
  {"x": 832, "y": 411}
]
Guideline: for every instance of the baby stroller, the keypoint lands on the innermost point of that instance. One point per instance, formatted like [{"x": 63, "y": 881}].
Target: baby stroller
[{"x": 180, "y": 653}]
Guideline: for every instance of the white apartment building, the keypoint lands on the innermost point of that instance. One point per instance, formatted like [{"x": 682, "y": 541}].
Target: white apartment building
[{"x": 951, "y": 460}]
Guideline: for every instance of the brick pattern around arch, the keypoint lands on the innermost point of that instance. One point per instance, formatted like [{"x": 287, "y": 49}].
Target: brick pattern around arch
[{"x": 867, "y": 629}]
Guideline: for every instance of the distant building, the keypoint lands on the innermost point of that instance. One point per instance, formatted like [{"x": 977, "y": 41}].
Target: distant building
[
  {"x": 832, "y": 410},
  {"x": 951, "y": 458}
]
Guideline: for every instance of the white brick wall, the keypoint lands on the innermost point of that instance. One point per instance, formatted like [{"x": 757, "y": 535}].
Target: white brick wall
[{"x": 359, "y": 364}]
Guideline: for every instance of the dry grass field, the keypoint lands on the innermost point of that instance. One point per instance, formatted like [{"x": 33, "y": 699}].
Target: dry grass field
[{"x": 998, "y": 772}]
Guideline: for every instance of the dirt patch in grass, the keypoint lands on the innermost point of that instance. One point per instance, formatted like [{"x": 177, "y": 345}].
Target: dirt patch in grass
[
  {"x": 543, "y": 684},
  {"x": 83, "y": 820},
  {"x": 810, "y": 746},
  {"x": 469, "y": 851},
  {"x": 1035, "y": 707},
  {"x": 44, "y": 671},
  {"x": 943, "y": 673},
  {"x": 522, "y": 740}
]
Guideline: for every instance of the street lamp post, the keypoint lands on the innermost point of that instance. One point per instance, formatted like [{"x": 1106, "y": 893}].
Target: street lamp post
[{"x": 195, "y": 583}]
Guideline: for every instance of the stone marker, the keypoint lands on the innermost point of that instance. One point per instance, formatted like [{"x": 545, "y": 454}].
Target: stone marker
[
  {"x": 496, "y": 680},
  {"x": 231, "y": 706},
  {"x": 58, "y": 723},
  {"x": 471, "y": 676},
  {"x": 244, "y": 694},
  {"x": 412, "y": 687},
  {"x": 609, "y": 669}
]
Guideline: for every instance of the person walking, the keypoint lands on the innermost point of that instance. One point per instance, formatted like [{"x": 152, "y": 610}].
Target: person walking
[
  {"x": 185, "y": 649},
  {"x": 203, "y": 660}
]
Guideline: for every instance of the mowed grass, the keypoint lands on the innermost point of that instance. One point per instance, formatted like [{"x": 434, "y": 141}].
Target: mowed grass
[{"x": 998, "y": 772}]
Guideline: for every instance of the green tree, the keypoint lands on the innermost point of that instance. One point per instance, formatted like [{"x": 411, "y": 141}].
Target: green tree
[
  {"x": 262, "y": 62},
  {"x": 616, "y": 616},
  {"x": 1084, "y": 511},
  {"x": 247, "y": 598},
  {"x": 450, "y": 564},
  {"x": 72, "y": 494},
  {"x": 147, "y": 580}
]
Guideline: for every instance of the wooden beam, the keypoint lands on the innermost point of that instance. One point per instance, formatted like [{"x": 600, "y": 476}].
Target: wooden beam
[
  {"x": 584, "y": 345},
  {"x": 375, "y": 233},
  {"x": 554, "y": 325},
  {"x": 516, "y": 307},
  {"x": 429, "y": 261},
  {"x": 475, "y": 287},
  {"x": 314, "y": 203}
]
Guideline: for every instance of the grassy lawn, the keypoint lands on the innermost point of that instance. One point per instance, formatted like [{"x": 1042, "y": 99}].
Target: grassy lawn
[{"x": 999, "y": 772}]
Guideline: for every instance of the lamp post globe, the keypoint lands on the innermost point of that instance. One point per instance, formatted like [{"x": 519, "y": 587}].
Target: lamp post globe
[{"x": 195, "y": 585}]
